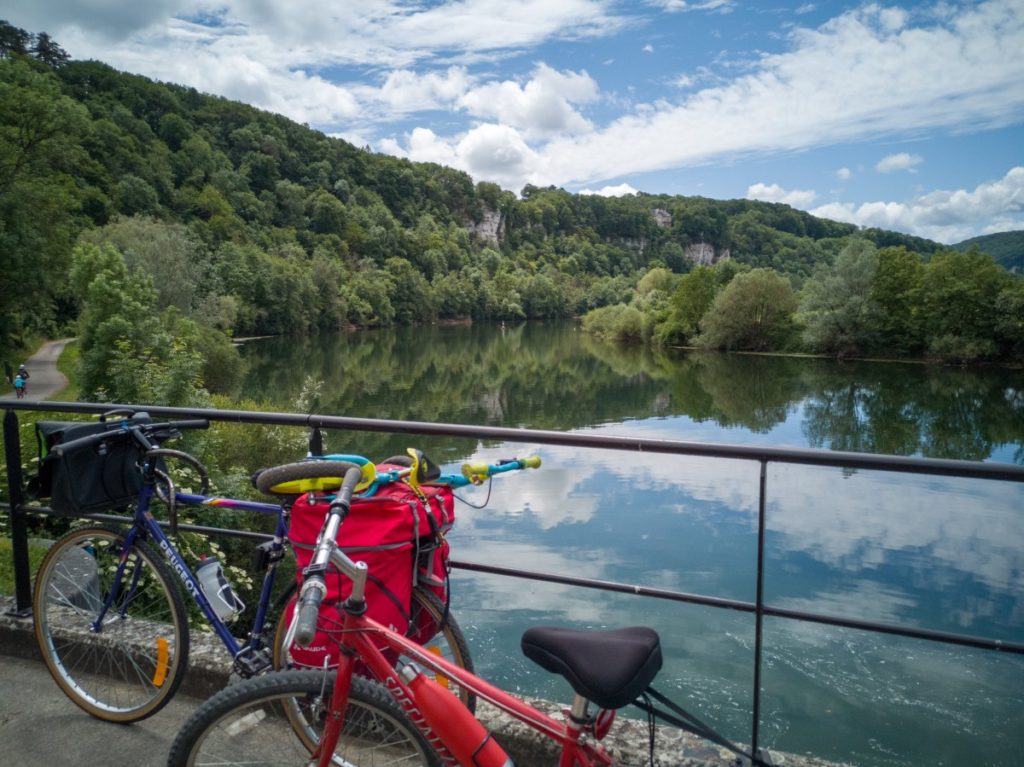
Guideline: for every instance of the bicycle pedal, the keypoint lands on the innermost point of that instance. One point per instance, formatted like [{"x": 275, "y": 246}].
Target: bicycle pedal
[{"x": 253, "y": 664}]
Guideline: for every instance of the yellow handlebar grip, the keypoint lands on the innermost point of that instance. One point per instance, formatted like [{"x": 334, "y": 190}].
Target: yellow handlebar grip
[
  {"x": 533, "y": 462},
  {"x": 478, "y": 469}
]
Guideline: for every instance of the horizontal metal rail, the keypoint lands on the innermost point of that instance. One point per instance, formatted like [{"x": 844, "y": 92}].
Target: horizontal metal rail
[
  {"x": 806, "y": 457},
  {"x": 762, "y": 455},
  {"x": 965, "y": 640}
]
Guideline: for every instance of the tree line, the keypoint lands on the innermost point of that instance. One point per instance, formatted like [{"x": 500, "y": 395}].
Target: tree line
[
  {"x": 955, "y": 307},
  {"x": 216, "y": 220}
]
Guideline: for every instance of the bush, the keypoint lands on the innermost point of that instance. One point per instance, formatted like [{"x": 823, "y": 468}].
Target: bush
[{"x": 621, "y": 323}]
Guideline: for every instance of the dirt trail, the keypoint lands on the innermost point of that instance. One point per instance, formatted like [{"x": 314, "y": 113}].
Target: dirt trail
[{"x": 44, "y": 378}]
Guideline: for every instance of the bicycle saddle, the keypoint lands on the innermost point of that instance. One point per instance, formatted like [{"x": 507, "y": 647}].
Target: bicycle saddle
[{"x": 610, "y": 668}]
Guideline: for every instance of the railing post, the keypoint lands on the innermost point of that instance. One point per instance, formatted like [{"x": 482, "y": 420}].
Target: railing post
[
  {"x": 19, "y": 532},
  {"x": 759, "y": 607}
]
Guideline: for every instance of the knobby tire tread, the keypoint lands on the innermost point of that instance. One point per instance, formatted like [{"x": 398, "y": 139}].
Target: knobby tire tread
[{"x": 284, "y": 686}]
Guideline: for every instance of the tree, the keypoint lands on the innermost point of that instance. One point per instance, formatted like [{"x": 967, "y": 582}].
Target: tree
[
  {"x": 835, "y": 307},
  {"x": 48, "y": 52},
  {"x": 411, "y": 295},
  {"x": 658, "y": 278},
  {"x": 542, "y": 298},
  {"x": 1010, "y": 318},
  {"x": 693, "y": 296},
  {"x": 13, "y": 40},
  {"x": 117, "y": 318},
  {"x": 894, "y": 302},
  {"x": 170, "y": 254},
  {"x": 754, "y": 312},
  {"x": 39, "y": 151},
  {"x": 958, "y": 294}
]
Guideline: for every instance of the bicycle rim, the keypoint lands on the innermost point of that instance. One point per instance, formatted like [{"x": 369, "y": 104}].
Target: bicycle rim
[
  {"x": 127, "y": 666},
  {"x": 252, "y": 724}
]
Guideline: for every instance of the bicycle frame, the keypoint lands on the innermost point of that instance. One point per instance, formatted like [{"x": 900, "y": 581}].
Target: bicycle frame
[
  {"x": 362, "y": 639},
  {"x": 145, "y": 525}
]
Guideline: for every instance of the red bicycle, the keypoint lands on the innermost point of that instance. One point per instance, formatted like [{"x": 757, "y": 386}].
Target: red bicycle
[{"x": 409, "y": 715}]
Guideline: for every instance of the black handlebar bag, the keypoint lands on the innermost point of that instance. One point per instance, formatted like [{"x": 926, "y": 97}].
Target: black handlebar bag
[{"x": 92, "y": 479}]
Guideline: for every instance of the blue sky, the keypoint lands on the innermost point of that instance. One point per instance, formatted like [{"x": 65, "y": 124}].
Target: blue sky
[{"x": 903, "y": 115}]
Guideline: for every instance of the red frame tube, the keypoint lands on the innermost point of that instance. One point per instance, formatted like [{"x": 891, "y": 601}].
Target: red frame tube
[{"x": 361, "y": 639}]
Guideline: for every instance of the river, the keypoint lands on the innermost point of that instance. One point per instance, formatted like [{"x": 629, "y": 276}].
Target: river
[{"x": 928, "y": 552}]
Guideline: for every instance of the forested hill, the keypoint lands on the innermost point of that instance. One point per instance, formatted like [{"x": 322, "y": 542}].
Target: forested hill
[
  {"x": 1007, "y": 248},
  {"x": 251, "y": 223}
]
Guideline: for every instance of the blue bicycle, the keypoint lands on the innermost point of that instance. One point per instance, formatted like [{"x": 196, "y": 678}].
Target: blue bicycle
[{"x": 109, "y": 614}]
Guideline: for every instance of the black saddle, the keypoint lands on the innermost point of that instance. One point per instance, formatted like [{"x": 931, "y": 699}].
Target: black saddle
[{"x": 610, "y": 668}]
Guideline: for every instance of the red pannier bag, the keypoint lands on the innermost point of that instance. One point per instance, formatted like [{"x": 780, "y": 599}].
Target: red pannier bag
[{"x": 400, "y": 536}]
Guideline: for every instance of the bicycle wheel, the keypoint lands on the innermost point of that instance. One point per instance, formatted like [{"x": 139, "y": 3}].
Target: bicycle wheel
[
  {"x": 448, "y": 642},
  {"x": 292, "y": 479},
  {"x": 252, "y": 723},
  {"x": 131, "y": 665}
]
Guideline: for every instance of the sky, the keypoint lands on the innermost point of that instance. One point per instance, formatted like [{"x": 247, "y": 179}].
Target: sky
[{"x": 901, "y": 115}]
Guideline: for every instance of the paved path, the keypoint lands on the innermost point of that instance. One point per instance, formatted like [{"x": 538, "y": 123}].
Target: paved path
[
  {"x": 45, "y": 380},
  {"x": 40, "y": 726}
]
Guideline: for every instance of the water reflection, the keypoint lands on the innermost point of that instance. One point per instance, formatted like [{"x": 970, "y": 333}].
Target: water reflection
[
  {"x": 550, "y": 375},
  {"x": 932, "y": 552}
]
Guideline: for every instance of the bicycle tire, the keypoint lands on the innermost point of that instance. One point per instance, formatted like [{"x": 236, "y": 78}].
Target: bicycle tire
[
  {"x": 131, "y": 668},
  {"x": 252, "y": 723},
  {"x": 268, "y": 479},
  {"x": 449, "y": 642}
]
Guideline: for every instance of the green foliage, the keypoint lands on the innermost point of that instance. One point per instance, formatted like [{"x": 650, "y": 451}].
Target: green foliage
[
  {"x": 690, "y": 301},
  {"x": 247, "y": 223},
  {"x": 958, "y": 294},
  {"x": 128, "y": 352},
  {"x": 1007, "y": 248},
  {"x": 896, "y": 322},
  {"x": 39, "y": 198},
  {"x": 754, "y": 312},
  {"x": 117, "y": 307},
  {"x": 619, "y": 323},
  {"x": 834, "y": 305}
]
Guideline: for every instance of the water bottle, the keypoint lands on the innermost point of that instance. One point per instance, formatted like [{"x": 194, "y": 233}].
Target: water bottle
[
  {"x": 461, "y": 733},
  {"x": 217, "y": 589}
]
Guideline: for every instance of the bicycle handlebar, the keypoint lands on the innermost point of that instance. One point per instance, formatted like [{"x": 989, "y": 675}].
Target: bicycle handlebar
[
  {"x": 138, "y": 431},
  {"x": 314, "y": 586},
  {"x": 476, "y": 472},
  {"x": 471, "y": 473}
]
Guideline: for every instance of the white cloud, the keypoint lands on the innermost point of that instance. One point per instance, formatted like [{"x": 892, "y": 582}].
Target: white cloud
[
  {"x": 900, "y": 161},
  {"x": 945, "y": 216},
  {"x": 844, "y": 173},
  {"x": 218, "y": 48},
  {"x": 620, "y": 190},
  {"x": 676, "y": 6},
  {"x": 405, "y": 90},
  {"x": 541, "y": 107},
  {"x": 648, "y": 48},
  {"x": 798, "y": 198},
  {"x": 494, "y": 152},
  {"x": 860, "y": 75}
]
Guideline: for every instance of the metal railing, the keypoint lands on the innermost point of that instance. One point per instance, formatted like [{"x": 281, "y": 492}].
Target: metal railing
[{"x": 763, "y": 455}]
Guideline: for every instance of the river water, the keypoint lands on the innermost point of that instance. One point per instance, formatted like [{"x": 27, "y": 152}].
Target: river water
[{"x": 928, "y": 552}]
